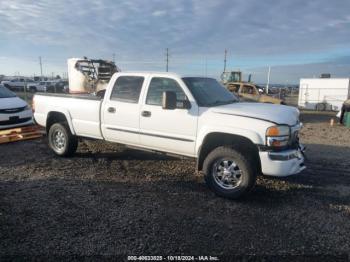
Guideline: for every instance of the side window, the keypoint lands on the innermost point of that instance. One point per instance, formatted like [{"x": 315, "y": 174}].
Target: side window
[
  {"x": 127, "y": 89},
  {"x": 160, "y": 84},
  {"x": 233, "y": 88},
  {"x": 248, "y": 90}
]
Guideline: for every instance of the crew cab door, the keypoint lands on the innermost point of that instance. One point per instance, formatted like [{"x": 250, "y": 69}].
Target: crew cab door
[
  {"x": 164, "y": 129},
  {"x": 120, "y": 112}
]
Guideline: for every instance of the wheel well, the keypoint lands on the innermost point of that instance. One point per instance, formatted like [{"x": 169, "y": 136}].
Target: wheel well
[
  {"x": 240, "y": 143},
  {"x": 54, "y": 117}
]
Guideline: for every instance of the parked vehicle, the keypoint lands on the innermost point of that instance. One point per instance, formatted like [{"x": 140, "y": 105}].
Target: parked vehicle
[
  {"x": 13, "y": 110},
  {"x": 46, "y": 86},
  {"x": 247, "y": 91},
  {"x": 251, "y": 92},
  {"x": 323, "y": 93},
  {"x": 17, "y": 83},
  {"x": 37, "y": 87},
  {"x": 61, "y": 86},
  {"x": 197, "y": 117}
]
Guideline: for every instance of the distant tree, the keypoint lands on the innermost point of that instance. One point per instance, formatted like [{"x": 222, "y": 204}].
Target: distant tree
[{"x": 58, "y": 77}]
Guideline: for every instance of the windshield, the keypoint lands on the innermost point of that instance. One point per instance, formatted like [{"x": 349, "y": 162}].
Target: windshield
[
  {"x": 209, "y": 92},
  {"x": 5, "y": 93}
]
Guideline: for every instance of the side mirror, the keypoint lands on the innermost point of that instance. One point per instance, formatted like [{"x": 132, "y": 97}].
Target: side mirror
[
  {"x": 186, "y": 104},
  {"x": 169, "y": 100}
]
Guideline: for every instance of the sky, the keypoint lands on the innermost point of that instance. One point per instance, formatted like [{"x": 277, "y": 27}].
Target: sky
[{"x": 297, "y": 38}]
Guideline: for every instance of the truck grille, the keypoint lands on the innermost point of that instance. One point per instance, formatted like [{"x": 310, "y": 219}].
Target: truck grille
[{"x": 12, "y": 110}]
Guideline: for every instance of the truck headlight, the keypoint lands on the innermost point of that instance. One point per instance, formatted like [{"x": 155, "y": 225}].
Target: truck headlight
[{"x": 278, "y": 136}]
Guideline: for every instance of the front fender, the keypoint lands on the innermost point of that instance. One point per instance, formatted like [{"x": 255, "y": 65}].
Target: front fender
[{"x": 253, "y": 136}]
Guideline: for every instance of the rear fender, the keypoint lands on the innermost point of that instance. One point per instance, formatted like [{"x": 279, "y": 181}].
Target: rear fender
[{"x": 66, "y": 114}]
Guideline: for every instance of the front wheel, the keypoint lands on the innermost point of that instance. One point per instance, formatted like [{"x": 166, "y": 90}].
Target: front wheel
[
  {"x": 229, "y": 173},
  {"x": 61, "y": 140}
]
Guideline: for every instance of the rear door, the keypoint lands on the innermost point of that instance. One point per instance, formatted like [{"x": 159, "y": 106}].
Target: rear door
[
  {"x": 121, "y": 110},
  {"x": 168, "y": 130}
]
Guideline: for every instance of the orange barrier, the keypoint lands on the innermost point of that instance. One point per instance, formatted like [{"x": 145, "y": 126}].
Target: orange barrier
[{"x": 21, "y": 133}]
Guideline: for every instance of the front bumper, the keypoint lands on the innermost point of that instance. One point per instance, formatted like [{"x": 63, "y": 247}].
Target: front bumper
[
  {"x": 16, "y": 119},
  {"x": 284, "y": 163}
]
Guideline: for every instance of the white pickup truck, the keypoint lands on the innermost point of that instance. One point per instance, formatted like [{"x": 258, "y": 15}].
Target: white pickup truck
[{"x": 197, "y": 117}]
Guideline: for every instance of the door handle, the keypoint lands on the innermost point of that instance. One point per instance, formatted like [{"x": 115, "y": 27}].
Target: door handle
[
  {"x": 111, "y": 109},
  {"x": 146, "y": 113}
]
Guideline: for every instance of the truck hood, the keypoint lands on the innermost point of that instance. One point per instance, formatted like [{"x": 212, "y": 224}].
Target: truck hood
[
  {"x": 11, "y": 102},
  {"x": 278, "y": 114}
]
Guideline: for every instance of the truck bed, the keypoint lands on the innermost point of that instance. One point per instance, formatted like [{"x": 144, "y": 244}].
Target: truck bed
[
  {"x": 76, "y": 96},
  {"x": 81, "y": 110}
]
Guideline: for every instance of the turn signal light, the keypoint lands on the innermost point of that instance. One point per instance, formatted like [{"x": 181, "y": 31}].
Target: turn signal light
[{"x": 273, "y": 131}]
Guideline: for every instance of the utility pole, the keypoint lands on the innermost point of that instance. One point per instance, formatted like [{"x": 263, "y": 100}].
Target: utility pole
[
  {"x": 167, "y": 59},
  {"x": 41, "y": 67},
  {"x": 225, "y": 60},
  {"x": 268, "y": 80},
  {"x": 113, "y": 57}
]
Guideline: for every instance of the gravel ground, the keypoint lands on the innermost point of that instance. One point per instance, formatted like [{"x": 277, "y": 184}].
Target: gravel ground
[{"x": 110, "y": 200}]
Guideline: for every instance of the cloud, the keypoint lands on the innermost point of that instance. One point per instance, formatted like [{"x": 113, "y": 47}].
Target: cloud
[{"x": 159, "y": 13}]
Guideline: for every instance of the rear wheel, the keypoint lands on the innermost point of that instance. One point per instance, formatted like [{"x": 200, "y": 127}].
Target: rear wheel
[
  {"x": 61, "y": 140},
  {"x": 229, "y": 173}
]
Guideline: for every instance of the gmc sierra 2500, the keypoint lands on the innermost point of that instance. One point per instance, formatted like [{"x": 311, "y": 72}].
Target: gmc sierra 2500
[{"x": 197, "y": 117}]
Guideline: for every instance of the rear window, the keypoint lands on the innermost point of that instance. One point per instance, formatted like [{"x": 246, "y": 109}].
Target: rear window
[
  {"x": 127, "y": 89},
  {"x": 5, "y": 93}
]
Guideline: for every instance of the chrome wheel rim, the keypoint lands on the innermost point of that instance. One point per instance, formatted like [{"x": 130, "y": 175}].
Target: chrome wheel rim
[
  {"x": 59, "y": 140},
  {"x": 227, "y": 173}
]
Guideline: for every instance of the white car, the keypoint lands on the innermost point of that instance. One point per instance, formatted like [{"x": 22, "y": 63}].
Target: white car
[
  {"x": 14, "y": 111},
  {"x": 38, "y": 86},
  {"x": 46, "y": 86},
  {"x": 197, "y": 117},
  {"x": 17, "y": 83}
]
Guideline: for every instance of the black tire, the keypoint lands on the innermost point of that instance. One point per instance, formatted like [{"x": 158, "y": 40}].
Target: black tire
[
  {"x": 248, "y": 170},
  {"x": 61, "y": 140}
]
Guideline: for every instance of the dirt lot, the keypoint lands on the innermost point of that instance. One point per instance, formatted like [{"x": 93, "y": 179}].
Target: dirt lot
[{"x": 110, "y": 200}]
